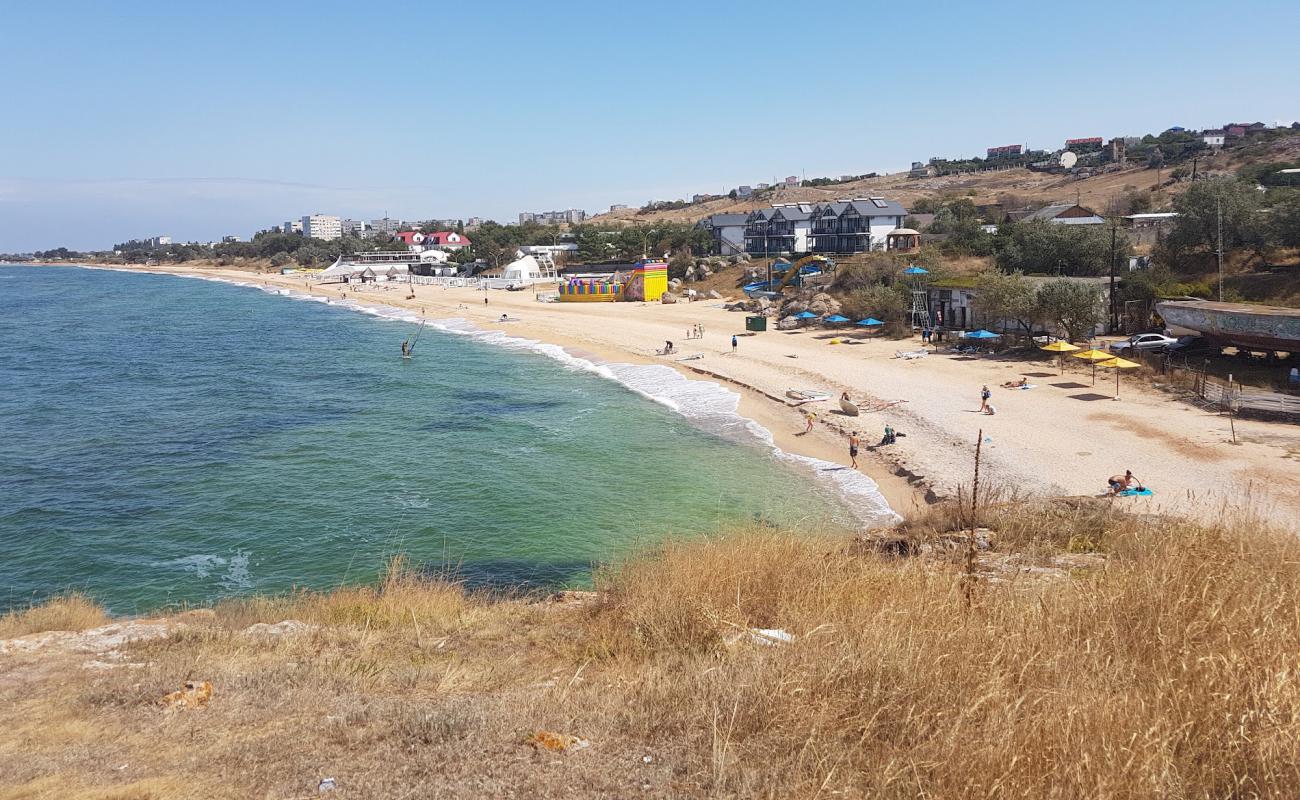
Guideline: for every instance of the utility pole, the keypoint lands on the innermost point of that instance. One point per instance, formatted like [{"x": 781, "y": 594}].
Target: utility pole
[
  {"x": 1114, "y": 319},
  {"x": 1218, "y": 250}
]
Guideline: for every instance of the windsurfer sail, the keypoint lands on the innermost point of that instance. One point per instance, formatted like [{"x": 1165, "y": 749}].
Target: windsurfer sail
[{"x": 408, "y": 347}]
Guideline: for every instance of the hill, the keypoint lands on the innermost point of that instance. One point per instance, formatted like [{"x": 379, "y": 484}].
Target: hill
[{"x": 1012, "y": 187}]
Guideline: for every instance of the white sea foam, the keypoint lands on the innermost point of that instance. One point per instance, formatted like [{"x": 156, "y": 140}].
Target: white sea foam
[{"x": 707, "y": 404}]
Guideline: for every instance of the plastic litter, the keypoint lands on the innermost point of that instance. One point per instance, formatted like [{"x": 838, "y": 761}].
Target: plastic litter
[
  {"x": 765, "y": 637},
  {"x": 557, "y": 742},
  {"x": 195, "y": 694},
  {"x": 326, "y": 785}
]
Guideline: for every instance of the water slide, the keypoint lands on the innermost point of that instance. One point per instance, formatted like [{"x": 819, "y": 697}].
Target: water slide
[{"x": 797, "y": 268}]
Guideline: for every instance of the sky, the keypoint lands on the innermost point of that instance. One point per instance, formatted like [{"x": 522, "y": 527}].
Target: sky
[{"x": 199, "y": 120}]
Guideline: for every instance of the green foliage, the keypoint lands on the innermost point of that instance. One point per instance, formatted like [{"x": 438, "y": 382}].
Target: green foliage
[
  {"x": 887, "y": 303},
  {"x": 1076, "y": 307},
  {"x": 1197, "y": 224},
  {"x": 1044, "y": 247},
  {"x": 1284, "y": 221},
  {"x": 280, "y": 259},
  {"x": 1008, "y": 296}
]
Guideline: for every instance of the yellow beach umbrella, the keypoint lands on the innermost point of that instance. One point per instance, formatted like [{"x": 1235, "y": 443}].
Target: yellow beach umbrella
[
  {"x": 1117, "y": 364},
  {"x": 1094, "y": 356},
  {"x": 1059, "y": 347}
]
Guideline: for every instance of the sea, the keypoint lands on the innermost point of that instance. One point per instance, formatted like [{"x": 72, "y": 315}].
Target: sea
[{"x": 168, "y": 441}]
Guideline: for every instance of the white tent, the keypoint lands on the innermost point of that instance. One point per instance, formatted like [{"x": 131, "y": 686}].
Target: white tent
[
  {"x": 433, "y": 257},
  {"x": 524, "y": 269},
  {"x": 338, "y": 269}
]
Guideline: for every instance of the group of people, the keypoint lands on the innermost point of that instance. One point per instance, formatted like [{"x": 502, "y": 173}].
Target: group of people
[{"x": 696, "y": 331}]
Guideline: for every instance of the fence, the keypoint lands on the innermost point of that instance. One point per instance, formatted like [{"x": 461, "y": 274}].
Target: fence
[{"x": 1212, "y": 393}]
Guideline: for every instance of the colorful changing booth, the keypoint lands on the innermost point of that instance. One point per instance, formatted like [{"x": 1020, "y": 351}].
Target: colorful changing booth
[{"x": 646, "y": 280}]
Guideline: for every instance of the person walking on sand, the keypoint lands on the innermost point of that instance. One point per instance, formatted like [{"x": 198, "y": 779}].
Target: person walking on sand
[
  {"x": 985, "y": 394},
  {"x": 854, "y": 441},
  {"x": 810, "y": 416},
  {"x": 733, "y": 344}
]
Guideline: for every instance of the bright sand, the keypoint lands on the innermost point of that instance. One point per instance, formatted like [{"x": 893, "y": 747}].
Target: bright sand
[{"x": 1064, "y": 437}]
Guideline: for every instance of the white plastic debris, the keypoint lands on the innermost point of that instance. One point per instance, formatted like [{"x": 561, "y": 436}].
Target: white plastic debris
[{"x": 326, "y": 785}]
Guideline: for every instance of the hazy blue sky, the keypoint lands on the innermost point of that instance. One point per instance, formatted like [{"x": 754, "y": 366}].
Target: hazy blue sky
[{"x": 196, "y": 120}]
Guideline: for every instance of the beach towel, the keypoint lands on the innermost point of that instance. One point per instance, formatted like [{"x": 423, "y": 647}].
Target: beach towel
[{"x": 1143, "y": 492}]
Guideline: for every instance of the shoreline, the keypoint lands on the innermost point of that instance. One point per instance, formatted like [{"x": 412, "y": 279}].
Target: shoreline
[{"x": 1056, "y": 440}]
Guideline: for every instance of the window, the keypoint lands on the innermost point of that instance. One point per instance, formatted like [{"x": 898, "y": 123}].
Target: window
[{"x": 879, "y": 203}]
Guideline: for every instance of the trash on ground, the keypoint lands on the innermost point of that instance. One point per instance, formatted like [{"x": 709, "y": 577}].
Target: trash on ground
[
  {"x": 766, "y": 637},
  {"x": 557, "y": 742},
  {"x": 326, "y": 785},
  {"x": 196, "y": 694}
]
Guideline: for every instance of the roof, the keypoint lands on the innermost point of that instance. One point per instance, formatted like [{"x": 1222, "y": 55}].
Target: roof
[
  {"x": 1053, "y": 213},
  {"x": 793, "y": 213},
  {"x": 904, "y": 232},
  {"x": 725, "y": 220},
  {"x": 864, "y": 207},
  {"x": 1161, "y": 215},
  {"x": 447, "y": 237}
]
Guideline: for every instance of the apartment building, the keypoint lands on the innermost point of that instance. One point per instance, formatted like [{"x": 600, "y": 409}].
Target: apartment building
[
  {"x": 322, "y": 226},
  {"x": 844, "y": 226}
]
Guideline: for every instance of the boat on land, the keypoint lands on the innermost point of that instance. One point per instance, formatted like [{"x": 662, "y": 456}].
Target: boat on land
[
  {"x": 806, "y": 395},
  {"x": 1241, "y": 325}
]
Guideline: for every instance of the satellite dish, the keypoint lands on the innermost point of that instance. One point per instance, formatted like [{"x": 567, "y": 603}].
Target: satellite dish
[{"x": 1068, "y": 160}]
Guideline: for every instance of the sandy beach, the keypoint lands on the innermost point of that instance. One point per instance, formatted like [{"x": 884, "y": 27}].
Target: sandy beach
[{"x": 1063, "y": 437}]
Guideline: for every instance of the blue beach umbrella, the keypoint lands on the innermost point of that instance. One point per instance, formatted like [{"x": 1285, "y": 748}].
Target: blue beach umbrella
[
  {"x": 869, "y": 321},
  {"x": 915, "y": 270},
  {"x": 981, "y": 334},
  {"x": 836, "y": 318},
  {"x": 805, "y": 315}
]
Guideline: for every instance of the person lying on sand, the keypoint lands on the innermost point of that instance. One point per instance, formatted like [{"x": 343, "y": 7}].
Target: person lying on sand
[
  {"x": 1020, "y": 384},
  {"x": 1120, "y": 483}
]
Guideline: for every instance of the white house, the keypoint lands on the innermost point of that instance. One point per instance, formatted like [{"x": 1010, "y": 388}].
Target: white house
[{"x": 1212, "y": 138}]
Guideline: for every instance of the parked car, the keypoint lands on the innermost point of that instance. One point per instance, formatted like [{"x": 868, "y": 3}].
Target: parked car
[
  {"x": 1146, "y": 342},
  {"x": 1192, "y": 346}
]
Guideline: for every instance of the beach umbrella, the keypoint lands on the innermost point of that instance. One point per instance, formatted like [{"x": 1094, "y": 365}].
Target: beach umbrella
[
  {"x": 805, "y": 315},
  {"x": 869, "y": 321},
  {"x": 836, "y": 319},
  {"x": 1117, "y": 364},
  {"x": 1062, "y": 348},
  {"x": 1094, "y": 356},
  {"x": 915, "y": 270},
  {"x": 981, "y": 334}
]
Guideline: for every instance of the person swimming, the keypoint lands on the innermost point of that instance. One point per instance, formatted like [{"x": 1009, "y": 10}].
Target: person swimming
[{"x": 406, "y": 348}]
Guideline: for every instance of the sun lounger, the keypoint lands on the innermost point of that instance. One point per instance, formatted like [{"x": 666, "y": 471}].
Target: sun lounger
[{"x": 909, "y": 355}]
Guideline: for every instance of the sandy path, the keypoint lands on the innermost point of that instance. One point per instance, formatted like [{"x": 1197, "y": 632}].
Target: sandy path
[{"x": 1063, "y": 437}]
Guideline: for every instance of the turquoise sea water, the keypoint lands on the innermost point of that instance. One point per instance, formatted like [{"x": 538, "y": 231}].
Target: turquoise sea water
[{"x": 168, "y": 440}]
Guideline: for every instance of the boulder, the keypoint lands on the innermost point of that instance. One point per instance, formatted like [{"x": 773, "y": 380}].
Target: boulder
[
  {"x": 703, "y": 271},
  {"x": 668, "y": 298},
  {"x": 675, "y": 284},
  {"x": 787, "y": 324},
  {"x": 690, "y": 273},
  {"x": 740, "y": 258},
  {"x": 713, "y": 295}
]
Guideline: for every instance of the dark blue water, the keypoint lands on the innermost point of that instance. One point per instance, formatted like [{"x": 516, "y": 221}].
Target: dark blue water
[{"x": 168, "y": 440}]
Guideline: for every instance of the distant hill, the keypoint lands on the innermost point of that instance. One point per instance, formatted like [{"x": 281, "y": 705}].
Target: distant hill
[{"x": 1013, "y": 187}]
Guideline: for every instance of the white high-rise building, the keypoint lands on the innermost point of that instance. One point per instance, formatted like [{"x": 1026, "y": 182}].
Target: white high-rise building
[{"x": 322, "y": 226}]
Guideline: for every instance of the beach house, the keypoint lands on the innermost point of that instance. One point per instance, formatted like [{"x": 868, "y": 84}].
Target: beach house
[
  {"x": 728, "y": 232},
  {"x": 855, "y": 226},
  {"x": 784, "y": 228}
]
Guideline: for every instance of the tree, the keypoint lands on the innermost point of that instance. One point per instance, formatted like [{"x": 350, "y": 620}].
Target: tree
[
  {"x": 1285, "y": 223},
  {"x": 1197, "y": 223},
  {"x": 1074, "y": 306},
  {"x": 886, "y": 303},
  {"x": 1044, "y": 247},
  {"x": 1007, "y": 296}
]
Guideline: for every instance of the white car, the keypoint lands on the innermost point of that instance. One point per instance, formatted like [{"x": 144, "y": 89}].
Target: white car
[{"x": 1152, "y": 342}]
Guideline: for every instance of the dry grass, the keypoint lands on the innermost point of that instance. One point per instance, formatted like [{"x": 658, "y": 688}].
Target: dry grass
[
  {"x": 1169, "y": 672},
  {"x": 70, "y": 612}
]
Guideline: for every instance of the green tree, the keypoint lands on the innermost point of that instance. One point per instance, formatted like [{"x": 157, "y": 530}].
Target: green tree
[
  {"x": 1284, "y": 223},
  {"x": 1044, "y": 247},
  {"x": 1074, "y": 306},
  {"x": 1011, "y": 296},
  {"x": 1197, "y": 224}
]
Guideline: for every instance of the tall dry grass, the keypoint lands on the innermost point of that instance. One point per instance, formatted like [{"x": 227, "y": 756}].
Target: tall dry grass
[
  {"x": 69, "y": 612},
  {"x": 1171, "y": 671}
]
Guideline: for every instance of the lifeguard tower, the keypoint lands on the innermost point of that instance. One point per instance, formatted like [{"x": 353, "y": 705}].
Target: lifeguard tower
[{"x": 919, "y": 314}]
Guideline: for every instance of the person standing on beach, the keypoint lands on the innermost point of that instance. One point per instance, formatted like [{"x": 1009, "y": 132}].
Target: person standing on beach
[
  {"x": 854, "y": 441},
  {"x": 985, "y": 394},
  {"x": 810, "y": 416},
  {"x": 733, "y": 344}
]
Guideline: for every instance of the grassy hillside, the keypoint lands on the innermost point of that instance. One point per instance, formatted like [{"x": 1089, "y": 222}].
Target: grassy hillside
[
  {"x": 1087, "y": 653},
  {"x": 1013, "y": 186}
]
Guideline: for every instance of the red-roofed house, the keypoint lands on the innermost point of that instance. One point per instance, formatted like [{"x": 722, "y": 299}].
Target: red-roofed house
[
  {"x": 412, "y": 239},
  {"x": 446, "y": 240}
]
